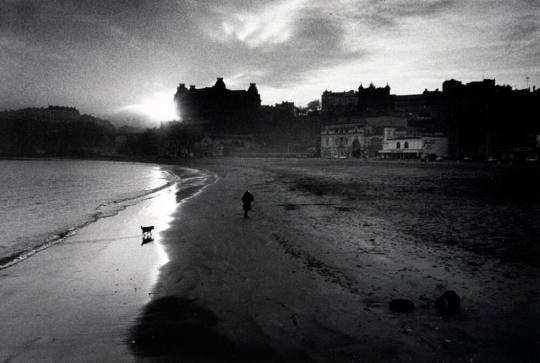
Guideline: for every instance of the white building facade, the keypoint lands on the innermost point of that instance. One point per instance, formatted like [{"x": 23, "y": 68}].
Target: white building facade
[
  {"x": 345, "y": 140},
  {"x": 400, "y": 146}
]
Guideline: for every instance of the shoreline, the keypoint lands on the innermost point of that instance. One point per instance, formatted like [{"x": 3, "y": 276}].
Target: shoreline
[
  {"x": 203, "y": 160},
  {"x": 108, "y": 209},
  {"x": 77, "y": 299},
  {"x": 308, "y": 277}
]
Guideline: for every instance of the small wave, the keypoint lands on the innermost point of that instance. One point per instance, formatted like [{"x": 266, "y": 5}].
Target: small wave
[
  {"x": 19, "y": 256},
  {"x": 190, "y": 182}
]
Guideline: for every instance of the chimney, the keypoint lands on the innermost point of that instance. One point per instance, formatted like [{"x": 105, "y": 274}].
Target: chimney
[
  {"x": 220, "y": 84},
  {"x": 192, "y": 87},
  {"x": 252, "y": 88}
]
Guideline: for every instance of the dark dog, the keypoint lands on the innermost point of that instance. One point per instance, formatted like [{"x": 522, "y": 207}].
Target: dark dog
[{"x": 147, "y": 232}]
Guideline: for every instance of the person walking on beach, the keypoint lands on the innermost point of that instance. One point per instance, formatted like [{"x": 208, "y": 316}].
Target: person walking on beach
[{"x": 247, "y": 199}]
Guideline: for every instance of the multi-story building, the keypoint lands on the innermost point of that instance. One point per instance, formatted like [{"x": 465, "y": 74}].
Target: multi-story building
[
  {"x": 356, "y": 136},
  {"x": 420, "y": 106},
  {"x": 346, "y": 140},
  {"x": 217, "y": 108},
  {"x": 399, "y": 145},
  {"x": 339, "y": 102},
  {"x": 363, "y": 101},
  {"x": 374, "y": 99},
  {"x": 287, "y": 108}
]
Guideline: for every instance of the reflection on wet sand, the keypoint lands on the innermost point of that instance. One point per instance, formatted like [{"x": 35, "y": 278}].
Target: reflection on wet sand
[
  {"x": 319, "y": 281},
  {"x": 170, "y": 326},
  {"x": 161, "y": 210},
  {"x": 91, "y": 287}
]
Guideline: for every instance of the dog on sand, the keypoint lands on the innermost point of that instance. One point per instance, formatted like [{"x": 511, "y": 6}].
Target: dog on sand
[{"x": 147, "y": 232}]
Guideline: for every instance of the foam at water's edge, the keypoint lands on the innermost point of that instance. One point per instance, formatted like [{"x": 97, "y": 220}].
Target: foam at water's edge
[{"x": 192, "y": 178}]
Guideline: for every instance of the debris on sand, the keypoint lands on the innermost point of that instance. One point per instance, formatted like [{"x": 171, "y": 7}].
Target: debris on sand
[
  {"x": 401, "y": 305},
  {"x": 448, "y": 303}
]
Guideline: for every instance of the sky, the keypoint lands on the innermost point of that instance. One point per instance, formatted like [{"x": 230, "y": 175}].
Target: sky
[{"x": 124, "y": 59}]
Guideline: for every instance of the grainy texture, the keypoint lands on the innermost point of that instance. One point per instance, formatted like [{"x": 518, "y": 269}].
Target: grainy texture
[{"x": 330, "y": 243}]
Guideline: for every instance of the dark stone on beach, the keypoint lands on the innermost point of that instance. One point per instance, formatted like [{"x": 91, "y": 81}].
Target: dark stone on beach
[
  {"x": 448, "y": 303},
  {"x": 401, "y": 305}
]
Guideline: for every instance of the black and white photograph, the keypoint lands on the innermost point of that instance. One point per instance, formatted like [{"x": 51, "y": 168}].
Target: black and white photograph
[{"x": 280, "y": 181}]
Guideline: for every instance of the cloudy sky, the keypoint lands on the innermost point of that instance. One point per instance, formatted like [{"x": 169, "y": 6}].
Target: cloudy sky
[{"x": 110, "y": 57}]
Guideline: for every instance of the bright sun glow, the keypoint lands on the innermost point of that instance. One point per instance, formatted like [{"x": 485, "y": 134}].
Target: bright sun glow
[{"x": 158, "y": 107}]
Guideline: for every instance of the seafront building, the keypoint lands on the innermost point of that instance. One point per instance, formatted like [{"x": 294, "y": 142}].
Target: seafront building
[
  {"x": 357, "y": 136},
  {"x": 361, "y": 140},
  {"x": 480, "y": 120},
  {"x": 402, "y": 146}
]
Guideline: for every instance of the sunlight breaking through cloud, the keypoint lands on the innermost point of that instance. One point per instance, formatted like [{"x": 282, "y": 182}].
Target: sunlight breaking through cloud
[
  {"x": 273, "y": 24},
  {"x": 158, "y": 107},
  {"x": 96, "y": 54}
]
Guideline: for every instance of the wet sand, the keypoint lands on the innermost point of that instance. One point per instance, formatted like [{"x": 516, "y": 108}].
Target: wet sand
[
  {"x": 308, "y": 277},
  {"x": 76, "y": 301}
]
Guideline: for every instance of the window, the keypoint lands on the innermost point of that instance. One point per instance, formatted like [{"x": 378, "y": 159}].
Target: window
[
  {"x": 398, "y": 145},
  {"x": 406, "y": 146}
]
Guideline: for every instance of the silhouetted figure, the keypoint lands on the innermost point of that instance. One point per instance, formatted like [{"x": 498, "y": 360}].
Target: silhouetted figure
[{"x": 247, "y": 199}]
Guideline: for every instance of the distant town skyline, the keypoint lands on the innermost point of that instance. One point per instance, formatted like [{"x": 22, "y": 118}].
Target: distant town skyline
[{"x": 126, "y": 58}]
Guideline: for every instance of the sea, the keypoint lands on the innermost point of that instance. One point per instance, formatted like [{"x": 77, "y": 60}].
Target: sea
[{"x": 44, "y": 201}]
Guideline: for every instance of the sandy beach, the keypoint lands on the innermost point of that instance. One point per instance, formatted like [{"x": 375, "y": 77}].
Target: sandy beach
[
  {"x": 307, "y": 278},
  {"x": 76, "y": 301}
]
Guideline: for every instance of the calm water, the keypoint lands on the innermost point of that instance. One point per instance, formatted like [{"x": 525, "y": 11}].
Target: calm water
[{"x": 43, "y": 200}]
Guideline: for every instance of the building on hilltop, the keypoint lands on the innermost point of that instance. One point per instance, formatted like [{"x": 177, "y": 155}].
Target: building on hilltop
[
  {"x": 218, "y": 109},
  {"x": 364, "y": 101},
  {"x": 485, "y": 120},
  {"x": 339, "y": 102},
  {"x": 374, "y": 99},
  {"x": 286, "y": 108},
  {"x": 481, "y": 119},
  {"x": 283, "y": 130},
  {"x": 418, "y": 106}
]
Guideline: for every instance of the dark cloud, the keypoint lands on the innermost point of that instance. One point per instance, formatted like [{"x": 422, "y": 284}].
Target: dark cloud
[
  {"x": 73, "y": 21},
  {"x": 524, "y": 28},
  {"x": 317, "y": 44},
  {"x": 102, "y": 54},
  {"x": 89, "y": 53},
  {"x": 415, "y": 7},
  {"x": 385, "y": 13}
]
